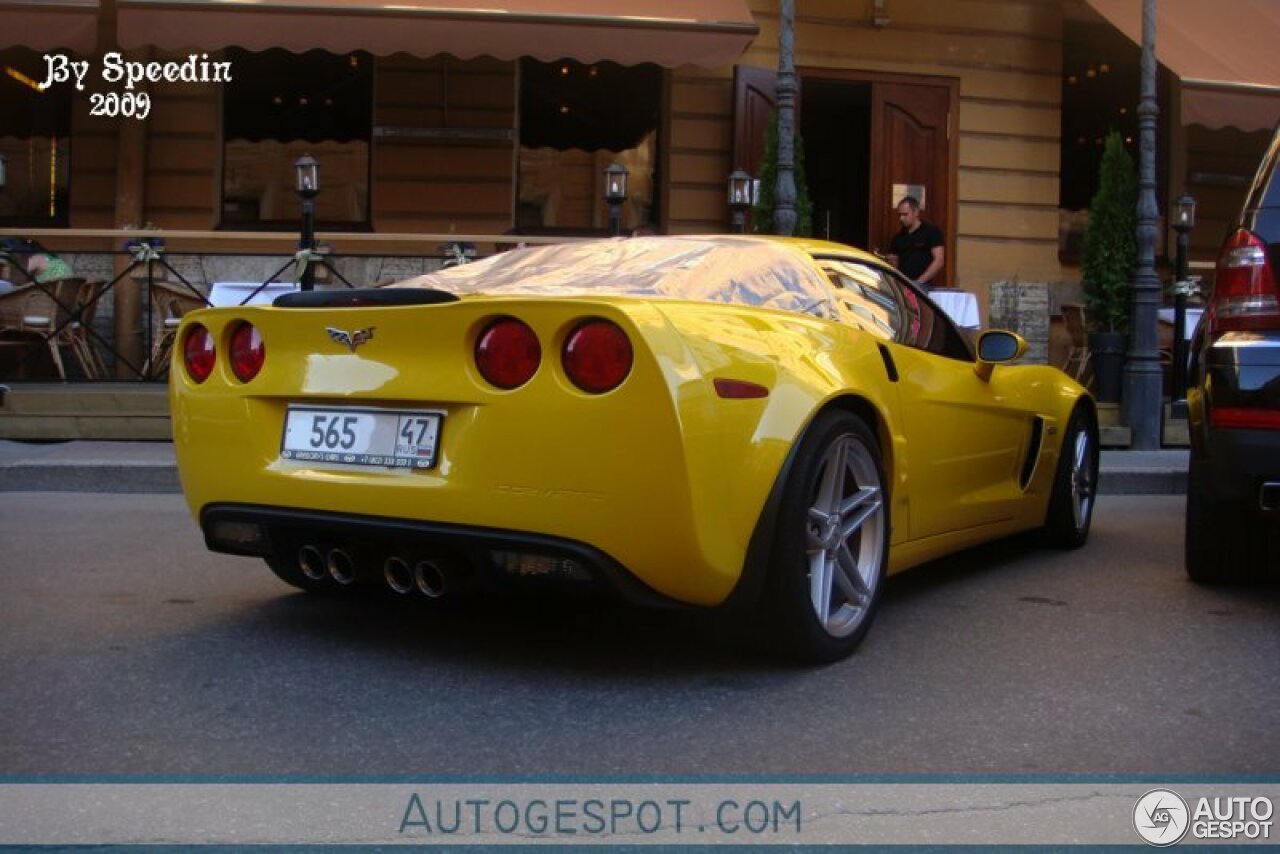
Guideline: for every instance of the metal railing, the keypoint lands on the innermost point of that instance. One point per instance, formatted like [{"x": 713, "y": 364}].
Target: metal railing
[{"x": 73, "y": 321}]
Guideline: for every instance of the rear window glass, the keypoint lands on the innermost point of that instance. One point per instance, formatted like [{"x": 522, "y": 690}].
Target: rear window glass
[{"x": 743, "y": 271}]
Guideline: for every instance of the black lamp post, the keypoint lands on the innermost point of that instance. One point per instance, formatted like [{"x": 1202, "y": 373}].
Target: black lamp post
[
  {"x": 739, "y": 199},
  {"x": 4, "y": 175},
  {"x": 307, "y": 172},
  {"x": 615, "y": 193},
  {"x": 1184, "y": 219},
  {"x": 1143, "y": 396}
]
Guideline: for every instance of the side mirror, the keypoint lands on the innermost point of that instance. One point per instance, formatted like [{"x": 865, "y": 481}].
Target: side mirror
[{"x": 996, "y": 346}]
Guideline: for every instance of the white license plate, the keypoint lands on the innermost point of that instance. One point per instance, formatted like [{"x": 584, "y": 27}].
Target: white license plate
[{"x": 386, "y": 438}]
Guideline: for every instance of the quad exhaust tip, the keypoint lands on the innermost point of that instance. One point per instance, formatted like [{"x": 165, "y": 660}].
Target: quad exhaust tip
[
  {"x": 430, "y": 579},
  {"x": 342, "y": 568},
  {"x": 311, "y": 563},
  {"x": 398, "y": 575}
]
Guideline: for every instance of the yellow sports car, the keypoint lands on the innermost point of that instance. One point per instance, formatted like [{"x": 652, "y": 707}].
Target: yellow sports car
[{"x": 715, "y": 421}]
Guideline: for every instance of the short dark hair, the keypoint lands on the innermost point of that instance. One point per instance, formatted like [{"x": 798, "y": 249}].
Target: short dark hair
[
  {"x": 911, "y": 201},
  {"x": 18, "y": 249}
]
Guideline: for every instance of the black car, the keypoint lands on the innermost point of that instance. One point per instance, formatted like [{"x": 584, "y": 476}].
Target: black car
[{"x": 1233, "y": 486}]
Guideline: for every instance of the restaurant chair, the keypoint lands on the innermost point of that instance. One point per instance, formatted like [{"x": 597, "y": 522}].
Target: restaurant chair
[
  {"x": 55, "y": 314},
  {"x": 78, "y": 333},
  {"x": 1076, "y": 365},
  {"x": 169, "y": 303}
]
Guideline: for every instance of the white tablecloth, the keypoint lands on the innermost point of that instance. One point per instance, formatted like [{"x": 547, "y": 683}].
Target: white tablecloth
[
  {"x": 960, "y": 306},
  {"x": 235, "y": 293},
  {"x": 1193, "y": 317}
]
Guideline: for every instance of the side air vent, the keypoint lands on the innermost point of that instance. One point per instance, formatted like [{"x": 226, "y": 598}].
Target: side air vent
[
  {"x": 364, "y": 297},
  {"x": 1033, "y": 451},
  {"x": 889, "y": 367}
]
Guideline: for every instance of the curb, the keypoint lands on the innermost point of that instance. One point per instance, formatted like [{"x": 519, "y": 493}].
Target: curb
[
  {"x": 1122, "y": 473},
  {"x": 115, "y": 478},
  {"x": 1142, "y": 481}
]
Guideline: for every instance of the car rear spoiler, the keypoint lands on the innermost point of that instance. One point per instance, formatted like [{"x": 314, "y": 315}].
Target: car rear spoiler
[{"x": 363, "y": 297}]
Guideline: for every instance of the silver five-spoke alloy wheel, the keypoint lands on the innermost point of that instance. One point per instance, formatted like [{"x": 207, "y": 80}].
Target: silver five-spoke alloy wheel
[
  {"x": 846, "y": 536},
  {"x": 1082, "y": 479}
]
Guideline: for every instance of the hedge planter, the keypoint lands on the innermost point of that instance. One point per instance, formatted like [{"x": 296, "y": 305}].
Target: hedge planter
[{"x": 1107, "y": 350}]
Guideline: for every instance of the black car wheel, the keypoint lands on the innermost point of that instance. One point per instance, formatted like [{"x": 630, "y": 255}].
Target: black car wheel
[
  {"x": 1075, "y": 484},
  {"x": 832, "y": 546}
]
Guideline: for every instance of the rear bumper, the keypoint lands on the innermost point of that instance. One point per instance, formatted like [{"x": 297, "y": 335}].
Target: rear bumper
[
  {"x": 478, "y": 553},
  {"x": 1237, "y": 465},
  {"x": 1239, "y": 372}
]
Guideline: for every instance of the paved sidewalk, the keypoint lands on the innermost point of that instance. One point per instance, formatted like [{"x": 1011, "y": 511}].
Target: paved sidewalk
[{"x": 150, "y": 467}]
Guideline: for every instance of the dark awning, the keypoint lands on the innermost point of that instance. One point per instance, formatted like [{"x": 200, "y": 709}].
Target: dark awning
[
  {"x": 709, "y": 33},
  {"x": 49, "y": 24},
  {"x": 1224, "y": 52}
]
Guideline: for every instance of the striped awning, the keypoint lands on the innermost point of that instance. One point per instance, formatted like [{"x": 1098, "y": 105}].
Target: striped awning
[
  {"x": 1224, "y": 52},
  {"x": 709, "y": 33},
  {"x": 49, "y": 24}
]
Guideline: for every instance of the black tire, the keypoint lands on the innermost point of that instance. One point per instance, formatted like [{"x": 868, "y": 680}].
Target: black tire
[
  {"x": 1075, "y": 484},
  {"x": 792, "y": 594},
  {"x": 1227, "y": 542}
]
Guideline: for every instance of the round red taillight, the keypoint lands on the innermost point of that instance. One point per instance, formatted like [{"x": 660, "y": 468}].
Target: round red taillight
[
  {"x": 508, "y": 353},
  {"x": 247, "y": 352},
  {"x": 198, "y": 353},
  {"x": 597, "y": 356}
]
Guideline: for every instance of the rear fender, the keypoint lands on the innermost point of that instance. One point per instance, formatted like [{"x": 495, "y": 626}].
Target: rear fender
[{"x": 755, "y": 569}]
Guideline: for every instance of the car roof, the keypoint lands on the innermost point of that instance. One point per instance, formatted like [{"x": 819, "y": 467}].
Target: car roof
[{"x": 818, "y": 246}]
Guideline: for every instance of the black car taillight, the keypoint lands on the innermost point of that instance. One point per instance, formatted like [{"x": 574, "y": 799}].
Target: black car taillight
[
  {"x": 1245, "y": 294},
  {"x": 198, "y": 352}
]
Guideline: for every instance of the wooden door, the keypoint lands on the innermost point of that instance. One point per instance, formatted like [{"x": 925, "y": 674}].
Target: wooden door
[
  {"x": 911, "y": 144},
  {"x": 754, "y": 102}
]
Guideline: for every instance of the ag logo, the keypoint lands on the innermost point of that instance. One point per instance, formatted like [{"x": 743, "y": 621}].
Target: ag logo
[{"x": 1161, "y": 817}]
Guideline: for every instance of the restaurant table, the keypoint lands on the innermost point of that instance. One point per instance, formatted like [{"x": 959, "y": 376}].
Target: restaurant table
[
  {"x": 960, "y": 306},
  {"x": 236, "y": 293},
  {"x": 1166, "y": 315}
]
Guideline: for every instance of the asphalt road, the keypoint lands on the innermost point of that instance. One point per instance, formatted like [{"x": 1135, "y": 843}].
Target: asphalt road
[{"x": 125, "y": 648}]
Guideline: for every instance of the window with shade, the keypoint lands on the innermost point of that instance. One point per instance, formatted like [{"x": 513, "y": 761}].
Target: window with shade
[
  {"x": 35, "y": 142},
  {"x": 575, "y": 120},
  {"x": 281, "y": 106}
]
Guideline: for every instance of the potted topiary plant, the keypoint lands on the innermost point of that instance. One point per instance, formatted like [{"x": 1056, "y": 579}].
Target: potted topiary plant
[
  {"x": 1110, "y": 258},
  {"x": 762, "y": 212}
]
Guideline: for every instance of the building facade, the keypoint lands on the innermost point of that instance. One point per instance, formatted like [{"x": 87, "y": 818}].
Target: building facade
[{"x": 434, "y": 120}]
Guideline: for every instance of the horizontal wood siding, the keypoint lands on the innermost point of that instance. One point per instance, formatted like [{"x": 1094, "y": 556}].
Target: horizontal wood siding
[
  {"x": 1007, "y": 56},
  {"x": 93, "y": 167},
  {"x": 443, "y": 185},
  {"x": 184, "y": 152},
  {"x": 699, "y": 147}
]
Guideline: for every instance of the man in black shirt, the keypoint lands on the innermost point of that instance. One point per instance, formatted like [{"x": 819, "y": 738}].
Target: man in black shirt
[{"x": 917, "y": 250}]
